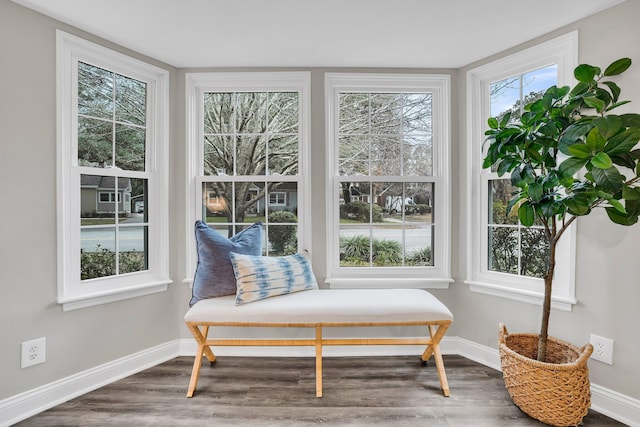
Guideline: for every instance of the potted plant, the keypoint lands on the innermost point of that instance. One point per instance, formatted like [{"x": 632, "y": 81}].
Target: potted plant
[{"x": 567, "y": 155}]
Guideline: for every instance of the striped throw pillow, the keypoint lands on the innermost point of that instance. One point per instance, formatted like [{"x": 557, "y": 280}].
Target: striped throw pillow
[{"x": 260, "y": 277}]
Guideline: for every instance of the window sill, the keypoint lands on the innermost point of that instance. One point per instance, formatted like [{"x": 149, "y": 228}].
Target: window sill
[
  {"x": 97, "y": 298},
  {"x": 509, "y": 292},
  {"x": 419, "y": 283}
]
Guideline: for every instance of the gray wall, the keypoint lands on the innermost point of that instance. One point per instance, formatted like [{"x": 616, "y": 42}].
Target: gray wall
[{"x": 78, "y": 340}]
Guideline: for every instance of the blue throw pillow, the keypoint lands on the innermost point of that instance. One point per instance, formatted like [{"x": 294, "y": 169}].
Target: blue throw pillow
[{"x": 214, "y": 275}]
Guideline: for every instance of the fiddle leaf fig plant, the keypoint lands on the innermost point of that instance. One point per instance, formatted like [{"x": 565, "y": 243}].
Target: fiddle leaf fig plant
[{"x": 567, "y": 155}]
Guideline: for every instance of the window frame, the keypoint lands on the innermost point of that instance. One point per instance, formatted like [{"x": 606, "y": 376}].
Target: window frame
[
  {"x": 74, "y": 293},
  {"x": 197, "y": 84},
  {"x": 562, "y": 51},
  {"x": 437, "y": 276}
]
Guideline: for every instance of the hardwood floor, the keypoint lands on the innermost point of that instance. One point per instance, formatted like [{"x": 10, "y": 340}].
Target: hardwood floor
[{"x": 254, "y": 392}]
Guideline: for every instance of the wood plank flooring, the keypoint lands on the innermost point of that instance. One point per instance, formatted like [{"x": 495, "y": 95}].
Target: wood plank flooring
[{"x": 274, "y": 392}]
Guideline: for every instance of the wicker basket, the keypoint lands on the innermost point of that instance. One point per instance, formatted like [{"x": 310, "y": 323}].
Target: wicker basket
[{"x": 556, "y": 392}]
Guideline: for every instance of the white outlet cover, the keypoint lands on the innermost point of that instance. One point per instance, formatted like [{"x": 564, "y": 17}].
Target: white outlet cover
[
  {"x": 602, "y": 349},
  {"x": 33, "y": 352}
]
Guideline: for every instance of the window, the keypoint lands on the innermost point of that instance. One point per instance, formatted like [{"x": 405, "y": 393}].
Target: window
[
  {"x": 389, "y": 170},
  {"x": 112, "y": 143},
  {"x": 504, "y": 257},
  {"x": 248, "y": 138}
]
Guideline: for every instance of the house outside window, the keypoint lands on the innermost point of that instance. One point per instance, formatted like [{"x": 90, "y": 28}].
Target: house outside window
[
  {"x": 389, "y": 170},
  {"x": 248, "y": 140},
  {"x": 504, "y": 257},
  {"x": 111, "y": 147}
]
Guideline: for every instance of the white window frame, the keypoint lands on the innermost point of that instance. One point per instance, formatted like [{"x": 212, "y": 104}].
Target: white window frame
[
  {"x": 199, "y": 83},
  {"x": 562, "y": 51},
  {"x": 437, "y": 276},
  {"x": 280, "y": 198},
  {"x": 73, "y": 292}
]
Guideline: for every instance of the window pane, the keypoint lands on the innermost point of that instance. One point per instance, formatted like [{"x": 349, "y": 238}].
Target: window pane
[
  {"x": 283, "y": 239},
  {"x": 218, "y": 155},
  {"x": 503, "y": 249},
  {"x": 283, "y": 155},
  {"x": 95, "y": 91},
  {"x": 130, "y": 148},
  {"x": 387, "y": 245},
  {"x": 131, "y": 100},
  {"x": 249, "y": 201},
  {"x": 417, "y": 156},
  {"x": 417, "y": 114},
  {"x": 133, "y": 249},
  {"x": 353, "y": 156},
  {"x": 97, "y": 252},
  {"x": 283, "y": 196},
  {"x": 283, "y": 112},
  {"x": 251, "y": 109},
  {"x": 536, "y": 82},
  {"x": 95, "y": 142},
  {"x": 251, "y": 155},
  {"x": 500, "y": 193},
  {"x": 354, "y": 113},
  {"x": 505, "y": 96},
  {"x": 138, "y": 205},
  {"x": 355, "y": 246},
  {"x": 217, "y": 202},
  {"x": 535, "y": 252},
  {"x": 218, "y": 113},
  {"x": 419, "y": 244},
  {"x": 385, "y": 155},
  {"x": 386, "y": 113}
]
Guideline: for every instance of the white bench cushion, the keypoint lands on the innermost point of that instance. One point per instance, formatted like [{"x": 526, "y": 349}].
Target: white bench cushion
[{"x": 325, "y": 306}]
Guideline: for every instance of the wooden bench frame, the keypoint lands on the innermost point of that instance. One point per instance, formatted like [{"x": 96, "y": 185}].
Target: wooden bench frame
[{"x": 200, "y": 331}]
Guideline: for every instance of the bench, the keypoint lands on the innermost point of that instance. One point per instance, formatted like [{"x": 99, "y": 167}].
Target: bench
[{"x": 319, "y": 309}]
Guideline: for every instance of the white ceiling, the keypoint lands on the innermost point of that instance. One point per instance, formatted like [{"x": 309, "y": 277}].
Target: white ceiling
[{"x": 307, "y": 33}]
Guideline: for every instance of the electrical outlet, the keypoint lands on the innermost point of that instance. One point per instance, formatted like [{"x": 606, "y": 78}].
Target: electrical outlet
[
  {"x": 602, "y": 349},
  {"x": 33, "y": 352}
]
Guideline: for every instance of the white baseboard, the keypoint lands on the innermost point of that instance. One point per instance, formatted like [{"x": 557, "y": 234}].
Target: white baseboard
[
  {"x": 24, "y": 405},
  {"x": 19, "y": 407}
]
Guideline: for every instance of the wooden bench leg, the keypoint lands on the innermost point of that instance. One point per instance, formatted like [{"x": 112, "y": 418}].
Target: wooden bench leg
[
  {"x": 203, "y": 349},
  {"x": 318, "y": 361},
  {"x": 434, "y": 348}
]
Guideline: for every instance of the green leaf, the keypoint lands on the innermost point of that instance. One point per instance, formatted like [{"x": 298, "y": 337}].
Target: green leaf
[
  {"x": 581, "y": 151},
  {"x": 526, "y": 214},
  {"x": 579, "y": 89},
  {"x": 630, "y": 120},
  {"x": 493, "y": 123},
  {"x": 572, "y": 165},
  {"x": 594, "y": 102},
  {"x": 621, "y": 218},
  {"x": 630, "y": 193},
  {"x": 535, "y": 191},
  {"x": 623, "y": 142},
  {"x": 505, "y": 119},
  {"x": 601, "y": 161},
  {"x": 615, "y": 90},
  {"x": 577, "y": 205},
  {"x": 609, "y": 179},
  {"x": 584, "y": 73},
  {"x": 608, "y": 126},
  {"x": 572, "y": 134},
  {"x": 617, "y": 205},
  {"x": 617, "y": 67}
]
